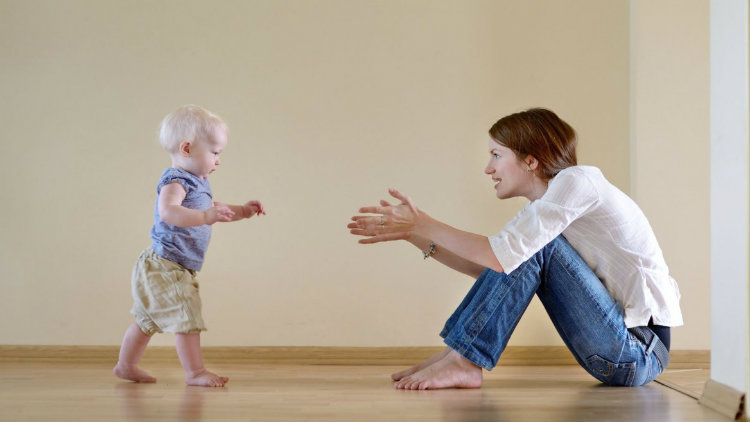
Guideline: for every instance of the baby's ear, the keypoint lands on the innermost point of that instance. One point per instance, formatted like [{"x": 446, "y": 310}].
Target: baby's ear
[{"x": 185, "y": 148}]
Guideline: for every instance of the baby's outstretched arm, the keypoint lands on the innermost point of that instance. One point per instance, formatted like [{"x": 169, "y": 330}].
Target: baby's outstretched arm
[
  {"x": 247, "y": 210},
  {"x": 172, "y": 212}
]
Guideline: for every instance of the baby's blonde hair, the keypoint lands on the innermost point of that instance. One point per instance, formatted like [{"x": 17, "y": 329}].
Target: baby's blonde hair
[{"x": 188, "y": 123}]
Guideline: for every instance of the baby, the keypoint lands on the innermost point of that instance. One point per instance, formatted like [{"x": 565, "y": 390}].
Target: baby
[{"x": 164, "y": 284}]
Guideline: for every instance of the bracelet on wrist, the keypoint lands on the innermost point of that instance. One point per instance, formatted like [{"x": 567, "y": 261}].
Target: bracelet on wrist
[{"x": 430, "y": 251}]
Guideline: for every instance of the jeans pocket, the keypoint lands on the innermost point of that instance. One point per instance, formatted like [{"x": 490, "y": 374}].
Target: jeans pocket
[{"x": 610, "y": 373}]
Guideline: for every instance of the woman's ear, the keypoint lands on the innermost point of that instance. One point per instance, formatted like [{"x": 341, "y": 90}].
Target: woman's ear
[
  {"x": 531, "y": 162},
  {"x": 185, "y": 148}
]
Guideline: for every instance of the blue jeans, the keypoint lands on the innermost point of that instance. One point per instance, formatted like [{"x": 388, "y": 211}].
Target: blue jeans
[{"x": 589, "y": 321}]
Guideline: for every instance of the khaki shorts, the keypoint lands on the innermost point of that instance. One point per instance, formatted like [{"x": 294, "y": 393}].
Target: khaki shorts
[{"x": 165, "y": 296}]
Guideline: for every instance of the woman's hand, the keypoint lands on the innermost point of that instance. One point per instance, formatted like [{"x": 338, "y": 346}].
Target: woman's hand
[{"x": 394, "y": 222}]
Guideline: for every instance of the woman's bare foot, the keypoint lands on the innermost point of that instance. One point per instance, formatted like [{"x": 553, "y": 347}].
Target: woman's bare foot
[
  {"x": 132, "y": 373},
  {"x": 204, "y": 378},
  {"x": 452, "y": 371},
  {"x": 406, "y": 372}
]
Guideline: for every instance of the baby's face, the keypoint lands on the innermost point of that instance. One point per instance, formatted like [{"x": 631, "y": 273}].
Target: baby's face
[{"x": 204, "y": 155}]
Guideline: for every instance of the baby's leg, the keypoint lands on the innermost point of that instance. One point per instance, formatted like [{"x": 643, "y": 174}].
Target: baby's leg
[
  {"x": 133, "y": 345},
  {"x": 189, "y": 351}
]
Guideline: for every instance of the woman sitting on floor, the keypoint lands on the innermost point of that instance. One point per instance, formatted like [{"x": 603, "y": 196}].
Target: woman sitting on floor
[{"x": 581, "y": 245}]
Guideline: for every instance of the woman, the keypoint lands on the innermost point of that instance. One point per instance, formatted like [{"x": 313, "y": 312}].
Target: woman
[{"x": 581, "y": 245}]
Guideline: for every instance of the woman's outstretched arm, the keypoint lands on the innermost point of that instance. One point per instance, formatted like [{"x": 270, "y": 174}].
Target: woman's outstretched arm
[
  {"x": 447, "y": 258},
  {"x": 471, "y": 253}
]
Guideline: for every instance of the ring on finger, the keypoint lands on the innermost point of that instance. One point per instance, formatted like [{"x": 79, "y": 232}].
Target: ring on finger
[{"x": 382, "y": 220}]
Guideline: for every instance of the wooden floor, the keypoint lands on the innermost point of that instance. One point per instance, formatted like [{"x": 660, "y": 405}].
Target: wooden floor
[{"x": 62, "y": 391}]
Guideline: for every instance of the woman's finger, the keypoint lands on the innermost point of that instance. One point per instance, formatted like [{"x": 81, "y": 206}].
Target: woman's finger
[
  {"x": 384, "y": 238},
  {"x": 363, "y": 232},
  {"x": 361, "y": 226},
  {"x": 372, "y": 229},
  {"x": 374, "y": 210},
  {"x": 412, "y": 206},
  {"x": 404, "y": 199},
  {"x": 363, "y": 220},
  {"x": 397, "y": 194}
]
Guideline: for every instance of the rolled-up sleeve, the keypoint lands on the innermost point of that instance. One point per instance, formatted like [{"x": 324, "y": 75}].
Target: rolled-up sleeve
[{"x": 569, "y": 195}]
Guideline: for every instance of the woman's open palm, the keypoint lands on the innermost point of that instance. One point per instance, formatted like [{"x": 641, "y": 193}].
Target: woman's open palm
[{"x": 393, "y": 222}]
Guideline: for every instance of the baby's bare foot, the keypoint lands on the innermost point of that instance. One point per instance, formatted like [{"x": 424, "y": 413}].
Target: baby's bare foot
[
  {"x": 204, "y": 378},
  {"x": 132, "y": 373},
  {"x": 406, "y": 372},
  {"x": 452, "y": 371}
]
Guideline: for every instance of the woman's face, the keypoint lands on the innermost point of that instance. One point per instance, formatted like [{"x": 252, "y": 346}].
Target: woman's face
[{"x": 511, "y": 175}]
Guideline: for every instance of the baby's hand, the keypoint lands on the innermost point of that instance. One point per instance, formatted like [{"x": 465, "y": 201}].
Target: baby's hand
[
  {"x": 218, "y": 213},
  {"x": 253, "y": 207}
]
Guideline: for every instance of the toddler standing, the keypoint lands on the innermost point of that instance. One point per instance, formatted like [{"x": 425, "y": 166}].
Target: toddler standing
[{"x": 164, "y": 284}]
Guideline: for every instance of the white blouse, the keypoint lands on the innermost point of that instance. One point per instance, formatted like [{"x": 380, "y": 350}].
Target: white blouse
[{"x": 611, "y": 234}]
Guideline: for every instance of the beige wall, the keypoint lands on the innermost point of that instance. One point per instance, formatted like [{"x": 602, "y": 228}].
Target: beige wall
[
  {"x": 670, "y": 168},
  {"x": 329, "y": 103}
]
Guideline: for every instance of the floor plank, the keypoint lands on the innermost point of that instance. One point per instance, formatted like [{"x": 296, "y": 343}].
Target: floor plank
[
  {"x": 281, "y": 392},
  {"x": 687, "y": 381}
]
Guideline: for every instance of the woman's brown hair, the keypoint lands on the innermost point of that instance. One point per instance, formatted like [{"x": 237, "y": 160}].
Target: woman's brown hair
[{"x": 540, "y": 133}]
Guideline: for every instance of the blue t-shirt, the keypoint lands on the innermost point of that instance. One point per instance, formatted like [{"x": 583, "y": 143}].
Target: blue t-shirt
[{"x": 183, "y": 245}]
